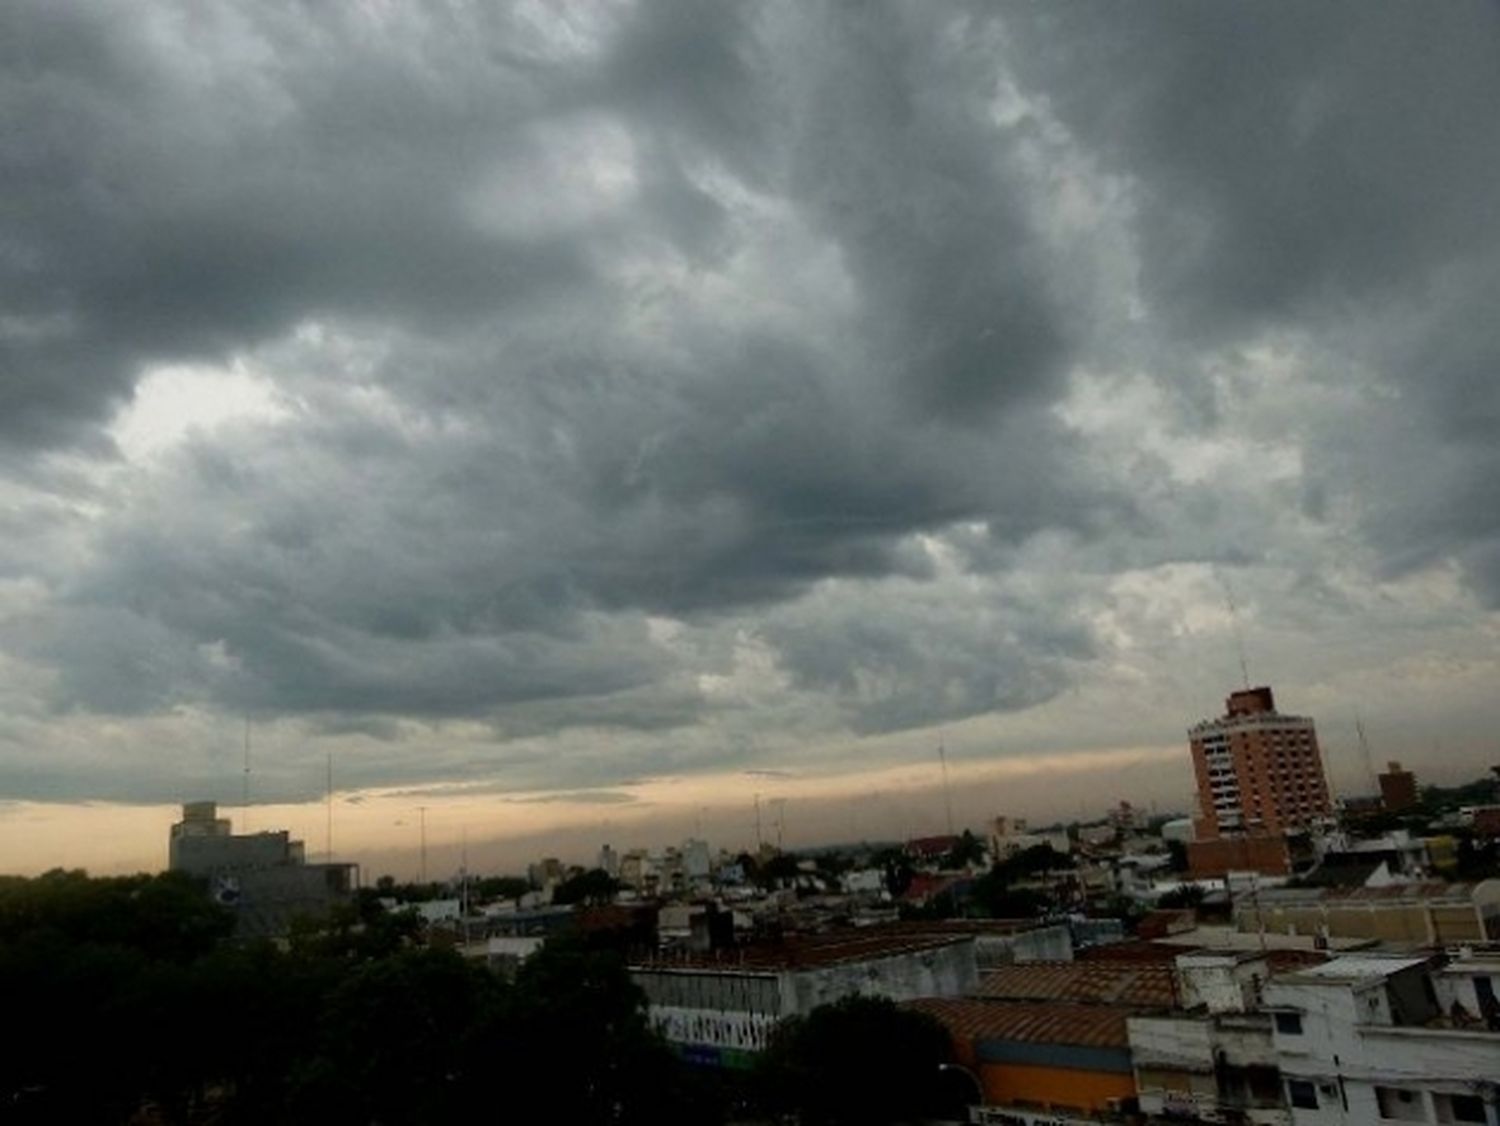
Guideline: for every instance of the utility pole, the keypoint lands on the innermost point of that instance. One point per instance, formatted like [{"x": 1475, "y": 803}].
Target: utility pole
[
  {"x": 422, "y": 829},
  {"x": 1239, "y": 637},
  {"x": 245, "y": 783},
  {"x": 328, "y": 813},
  {"x": 947, "y": 793}
]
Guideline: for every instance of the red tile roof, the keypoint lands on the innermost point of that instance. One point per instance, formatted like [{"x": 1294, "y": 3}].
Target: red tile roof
[
  {"x": 1097, "y": 1026},
  {"x": 806, "y": 950},
  {"x": 1131, "y": 952},
  {"x": 1280, "y": 960},
  {"x": 1148, "y": 984},
  {"x": 931, "y": 846},
  {"x": 967, "y": 926}
]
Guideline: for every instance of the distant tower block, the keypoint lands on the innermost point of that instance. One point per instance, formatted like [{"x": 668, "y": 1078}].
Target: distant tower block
[
  {"x": 1259, "y": 772},
  {"x": 1398, "y": 788}
]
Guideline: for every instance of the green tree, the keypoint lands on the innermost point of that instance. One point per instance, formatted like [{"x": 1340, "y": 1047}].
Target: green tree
[
  {"x": 966, "y": 851},
  {"x": 502, "y": 887},
  {"x": 1186, "y": 895},
  {"x": 578, "y": 1030},
  {"x": 592, "y": 887},
  {"x": 897, "y": 868},
  {"x": 1178, "y": 853},
  {"x": 861, "y": 1060}
]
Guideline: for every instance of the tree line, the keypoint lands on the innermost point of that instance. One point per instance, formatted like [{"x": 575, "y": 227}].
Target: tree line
[{"x": 132, "y": 1003}]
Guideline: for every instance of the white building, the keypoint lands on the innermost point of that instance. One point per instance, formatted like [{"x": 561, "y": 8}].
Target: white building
[
  {"x": 1364, "y": 1039},
  {"x": 1212, "y": 1058},
  {"x": 720, "y": 1008},
  {"x": 697, "y": 863},
  {"x": 609, "y": 861},
  {"x": 1009, "y": 835}
]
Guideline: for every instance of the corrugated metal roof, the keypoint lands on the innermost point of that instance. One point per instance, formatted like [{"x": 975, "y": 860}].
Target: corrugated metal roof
[
  {"x": 1361, "y": 966},
  {"x": 968, "y": 926},
  {"x": 805, "y": 951},
  {"x": 1143, "y": 983},
  {"x": 1094, "y": 1026},
  {"x": 1428, "y": 891},
  {"x": 1280, "y": 959}
]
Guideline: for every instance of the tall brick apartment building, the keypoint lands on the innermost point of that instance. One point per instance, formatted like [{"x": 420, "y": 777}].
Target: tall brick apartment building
[{"x": 1260, "y": 776}]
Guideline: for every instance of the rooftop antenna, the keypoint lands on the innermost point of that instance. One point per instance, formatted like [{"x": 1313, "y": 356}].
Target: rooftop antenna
[
  {"x": 245, "y": 782},
  {"x": 328, "y": 811},
  {"x": 947, "y": 793},
  {"x": 463, "y": 875},
  {"x": 1239, "y": 636},
  {"x": 422, "y": 830},
  {"x": 1364, "y": 747}
]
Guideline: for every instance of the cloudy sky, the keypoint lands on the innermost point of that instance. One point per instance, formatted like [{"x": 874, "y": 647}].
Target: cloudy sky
[{"x": 580, "y": 418}]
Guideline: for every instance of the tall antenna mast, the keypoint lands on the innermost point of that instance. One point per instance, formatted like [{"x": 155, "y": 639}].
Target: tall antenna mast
[
  {"x": 759, "y": 843},
  {"x": 245, "y": 782},
  {"x": 328, "y": 812},
  {"x": 463, "y": 875},
  {"x": 947, "y": 793},
  {"x": 1239, "y": 637},
  {"x": 1364, "y": 748},
  {"x": 422, "y": 829}
]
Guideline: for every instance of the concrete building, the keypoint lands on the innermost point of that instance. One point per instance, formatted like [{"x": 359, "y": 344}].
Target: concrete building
[
  {"x": 1055, "y": 1057},
  {"x": 1207, "y": 1067},
  {"x": 1398, "y": 788},
  {"x": 1264, "y": 853},
  {"x": 1418, "y": 914},
  {"x": 547, "y": 873},
  {"x": 1010, "y": 835},
  {"x": 1467, "y": 991},
  {"x": 1258, "y": 772},
  {"x": 1179, "y": 829},
  {"x": 1001, "y": 942},
  {"x": 263, "y": 877},
  {"x": 609, "y": 861},
  {"x": 721, "y": 1008},
  {"x": 1363, "y": 1039},
  {"x": 697, "y": 861}
]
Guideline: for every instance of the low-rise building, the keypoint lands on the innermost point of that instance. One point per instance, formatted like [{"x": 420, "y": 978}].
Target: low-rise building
[
  {"x": 1363, "y": 1039},
  {"x": 264, "y": 878},
  {"x": 720, "y": 1008},
  {"x": 1419, "y": 914},
  {"x": 1000, "y": 942},
  {"x": 1207, "y": 1067},
  {"x": 1057, "y": 1057},
  {"x": 1010, "y": 835}
]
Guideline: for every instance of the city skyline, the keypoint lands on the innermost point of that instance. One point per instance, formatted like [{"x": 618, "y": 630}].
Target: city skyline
[{"x": 564, "y": 415}]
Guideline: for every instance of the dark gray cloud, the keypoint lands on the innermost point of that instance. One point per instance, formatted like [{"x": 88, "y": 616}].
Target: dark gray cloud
[
  {"x": 1321, "y": 172},
  {"x": 640, "y": 382}
]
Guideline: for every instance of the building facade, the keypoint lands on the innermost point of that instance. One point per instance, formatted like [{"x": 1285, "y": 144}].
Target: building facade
[
  {"x": 1365, "y": 1039},
  {"x": 264, "y": 878},
  {"x": 1259, "y": 773},
  {"x": 1398, "y": 788},
  {"x": 721, "y": 1008}
]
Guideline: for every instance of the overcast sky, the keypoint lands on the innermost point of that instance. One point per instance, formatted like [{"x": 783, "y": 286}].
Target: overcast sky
[{"x": 571, "y": 405}]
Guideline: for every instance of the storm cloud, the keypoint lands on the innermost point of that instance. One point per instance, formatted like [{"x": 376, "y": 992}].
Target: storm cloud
[{"x": 549, "y": 395}]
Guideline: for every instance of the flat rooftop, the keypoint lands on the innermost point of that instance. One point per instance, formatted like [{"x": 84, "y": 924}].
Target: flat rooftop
[
  {"x": 1357, "y": 967},
  {"x": 1094, "y": 1026},
  {"x": 805, "y": 952},
  {"x": 1143, "y": 983}
]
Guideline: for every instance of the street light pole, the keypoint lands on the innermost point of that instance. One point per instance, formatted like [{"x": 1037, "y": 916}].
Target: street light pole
[{"x": 974, "y": 1079}]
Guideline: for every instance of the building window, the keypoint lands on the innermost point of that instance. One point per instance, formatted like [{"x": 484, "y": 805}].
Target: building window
[
  {"x": 1459, "y": 1108},
  {"x": 1289, "y": 1024},
  {"x": 1400, "y": 1104},
  {"x": 1301, "y": 1093}
]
